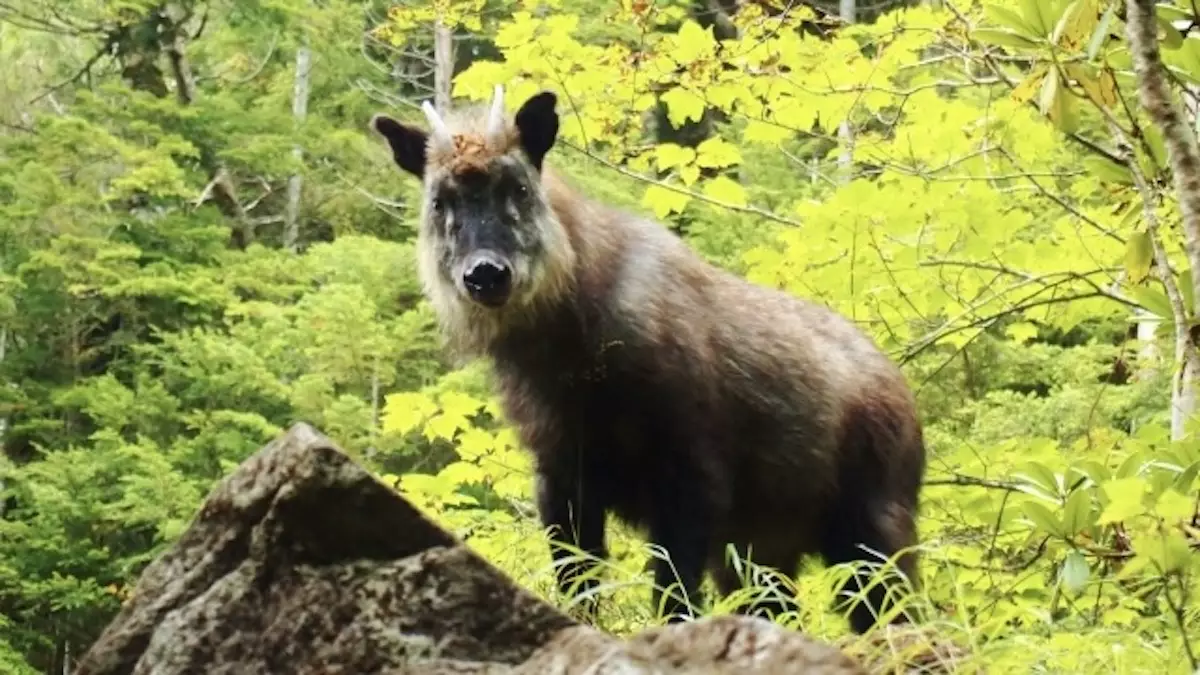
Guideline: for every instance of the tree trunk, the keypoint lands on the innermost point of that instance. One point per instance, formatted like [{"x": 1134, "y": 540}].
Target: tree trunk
[
  {"x": 3, "y": 418},
  {"x": 291, "y": 214},
  {"x": 1147, "y": 353},
  {"x": 443, "y": 66},
  {"x": 1180, "y": 141},
  {"x": 847, "y": 10},
  {"x": 375, "y": 396}
]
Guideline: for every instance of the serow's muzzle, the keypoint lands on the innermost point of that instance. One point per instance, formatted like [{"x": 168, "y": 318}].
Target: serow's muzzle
[{"x": 488, "y": 279}]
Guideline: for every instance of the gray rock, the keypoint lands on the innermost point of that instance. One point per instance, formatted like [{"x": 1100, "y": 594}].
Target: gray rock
[{"x": 301, "y": 562}]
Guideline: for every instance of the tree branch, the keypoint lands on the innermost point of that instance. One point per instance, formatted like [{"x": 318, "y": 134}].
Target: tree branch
[
  {"x": 974, "y": 481},
  {"x": 86, "y": 69},
  {"x": 760, "y": 212}
]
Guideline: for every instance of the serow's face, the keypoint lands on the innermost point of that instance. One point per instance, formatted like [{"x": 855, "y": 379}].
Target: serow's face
[
  {"x": 484, "y": 218},
  {"x": 485, "y": 225}
]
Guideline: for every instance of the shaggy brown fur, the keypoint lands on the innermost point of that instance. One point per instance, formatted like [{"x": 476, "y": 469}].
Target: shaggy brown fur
[{"x": 655, "y": 386}]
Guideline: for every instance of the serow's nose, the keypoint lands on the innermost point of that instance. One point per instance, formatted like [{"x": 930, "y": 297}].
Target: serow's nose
[{"x": 489, "y": 281}]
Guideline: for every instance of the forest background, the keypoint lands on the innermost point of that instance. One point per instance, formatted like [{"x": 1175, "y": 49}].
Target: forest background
[{"x": 201, "y": 242}]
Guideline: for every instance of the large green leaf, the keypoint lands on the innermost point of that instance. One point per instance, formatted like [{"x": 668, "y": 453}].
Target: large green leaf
[{"x": 1139, "y": 256}]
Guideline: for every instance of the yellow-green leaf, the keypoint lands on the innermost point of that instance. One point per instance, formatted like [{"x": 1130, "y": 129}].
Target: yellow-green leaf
[
  {"x": 1154, "y": 301},
  {"x": 758, "y": 131},
  {"x": 1041, "y": 476},
  {"x": 1009, "y": 19},
  {"x": 1169, "y": 12},
  {"x": 1076, "y": 24},
  {"x": 443, "y": 426},
  {"x": 693, "y": 42},
  {"x": 689, "y": 174},
  {"x": 726, "y": 191},
  {"x": 664, "y": 201},
  {"x": 1173, "y": 507},
  {"x": 1188, "y": 60},
  {"x": 1028, "y": 87},
  {"x": 1169, "y": 551},
  {"x": 1184, "y": 282},
  {"x": 1048, "y": 94},
  {"x": 474, "y": 443},
  {"x": 461, "y": 473},
  {"x": 1158, "y": 149},
  {"x": 1125, "y": 499},
  {"x": 424, "y": 484},
  {"x": 1042, "y": 517},
  {"x": 671, "y": 155},
  {"x": 1105, "y": 169},
  {"x": 1056, "y": 104},
  {"x": 1184, "y": 481},
  {"x": 1101, "y": 87},
  {"x": 1077, "y": 513},
  {"x": 1139, "y": 255},
  {"x": 717, "y": 153},
  {"x": 1119, "y": 616},
  {"x": 1021, "y": 331},
  {"x": 1100, "y": 34},
  {"x": 1031, "y": 10},
  {"x": 1003, "y": 38},
  {"x": 458, "y": 404},
  {"x": 1171, "y": 37},
  {"x": 1132, "y": 465},
  {"x": 405, "y": 411},
  {"x": 683, "y": 106}
]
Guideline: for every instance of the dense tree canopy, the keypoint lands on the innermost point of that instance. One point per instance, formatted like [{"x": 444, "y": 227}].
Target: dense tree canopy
[{"x": 201, "y": 242}]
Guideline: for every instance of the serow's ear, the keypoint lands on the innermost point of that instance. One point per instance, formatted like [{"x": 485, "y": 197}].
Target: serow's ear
[
  {"x": 407, "y": 143},
  {"x": 537, "y": 122}
]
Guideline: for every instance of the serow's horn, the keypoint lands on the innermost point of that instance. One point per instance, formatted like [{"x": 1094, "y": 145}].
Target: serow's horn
[
  {"x": 439, "y": 134},
  {"x": 495, "y": 123}
]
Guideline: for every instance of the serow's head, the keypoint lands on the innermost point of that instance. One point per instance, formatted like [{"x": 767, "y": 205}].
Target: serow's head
[{"x": 488, "y": 233}]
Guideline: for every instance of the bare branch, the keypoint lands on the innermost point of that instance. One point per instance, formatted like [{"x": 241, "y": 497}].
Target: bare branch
[
  {"x": 17, "y": 127},
  {"x": 760, "y": 212},
  {"x": 1177, "y": 611},
  {"x": 258, "y": 69},
  {"x": 84, "y": 71},
  {"x": 974, "y": 481},
  {"x": 1031, "y": 301},
  {"x": 1062, "y": 203},
  {"x": 54, "y": 23}
]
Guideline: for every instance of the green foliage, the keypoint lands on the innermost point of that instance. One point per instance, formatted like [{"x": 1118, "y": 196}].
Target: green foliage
[{"x": 971, "y": 214}]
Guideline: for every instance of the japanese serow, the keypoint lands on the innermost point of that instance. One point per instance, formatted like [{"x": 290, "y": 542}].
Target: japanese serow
[{"x": 699, "y": 407}]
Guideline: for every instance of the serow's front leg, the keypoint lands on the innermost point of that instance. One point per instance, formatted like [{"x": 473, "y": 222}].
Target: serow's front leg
[
  {"x": 575, "y": 517},
  {"x": 682, "y": 526}
]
